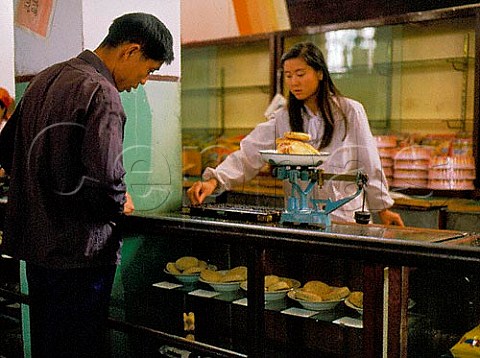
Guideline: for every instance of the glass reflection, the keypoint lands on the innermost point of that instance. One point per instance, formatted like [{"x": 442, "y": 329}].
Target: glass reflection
[{"x": 340, "y": 46}]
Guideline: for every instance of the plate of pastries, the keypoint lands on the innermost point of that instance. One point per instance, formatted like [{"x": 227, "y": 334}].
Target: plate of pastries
[
  {"x": 224, "y": 280},
  {"x": 186, "y": 269},
  {"x": 319, "y": 296},
  {"x": 276, "y": 287},
  {"x": 293, "y": 149},
  {"x": 355, "y": 301}
]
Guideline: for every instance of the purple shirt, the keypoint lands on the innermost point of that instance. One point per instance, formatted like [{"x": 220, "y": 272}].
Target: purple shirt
[{"x": 67, "y": 189}]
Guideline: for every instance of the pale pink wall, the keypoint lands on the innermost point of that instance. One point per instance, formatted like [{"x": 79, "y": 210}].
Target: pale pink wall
[{"x": 207, "y": 20}]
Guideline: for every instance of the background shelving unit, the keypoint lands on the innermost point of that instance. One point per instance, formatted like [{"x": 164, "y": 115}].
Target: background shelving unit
[{"x": 416, "y": 77}]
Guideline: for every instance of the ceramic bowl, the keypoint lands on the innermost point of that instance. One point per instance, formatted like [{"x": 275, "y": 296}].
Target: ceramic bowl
[
  {"x": 315, "y": 306},
  {"x": 223, "y": 286},
  {"x": 276, "y": 295}
]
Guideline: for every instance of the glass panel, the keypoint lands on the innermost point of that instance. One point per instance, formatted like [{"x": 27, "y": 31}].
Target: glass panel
[
  {"x": 416, "y": 82},
  {"x": 359, "y": 61},
  {"x": 225, "y": 91}
]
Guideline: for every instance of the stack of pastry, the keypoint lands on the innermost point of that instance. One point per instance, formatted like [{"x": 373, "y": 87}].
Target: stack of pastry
[
  {"x": 411, "y": 167},
  {"x": 386, "y": 145},
  {"x": 295, "y": 143},
  {"x": 186, "y": 265},
  {"x": 275, "y": 283},
  {"x": 452, "y": 173},
  {"x": 356, "y": 299},
  {"x": 318, "y": 291},
  {"x": 236, "y": 274}
]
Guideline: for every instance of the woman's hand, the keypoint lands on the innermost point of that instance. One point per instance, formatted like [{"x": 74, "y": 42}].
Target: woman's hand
[
  {"x": 200, "y": 190},
  {"x": 128, "y": 207},
  {"x": 390, "y": 218}
]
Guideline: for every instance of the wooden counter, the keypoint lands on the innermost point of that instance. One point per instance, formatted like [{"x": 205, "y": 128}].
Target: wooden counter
[
  {"x": 265, "y": 185},
  {"x": 360, "y": 256},
  {"x": 356, "y": 252}
]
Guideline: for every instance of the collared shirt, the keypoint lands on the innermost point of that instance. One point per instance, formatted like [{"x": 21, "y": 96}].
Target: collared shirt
[
  {"x": 352, "y": 148},
  {"x": 67, "y": 188}
]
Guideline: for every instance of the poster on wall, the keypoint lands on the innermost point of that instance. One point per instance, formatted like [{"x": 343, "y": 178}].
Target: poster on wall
[{"x": 35, "y": 16}]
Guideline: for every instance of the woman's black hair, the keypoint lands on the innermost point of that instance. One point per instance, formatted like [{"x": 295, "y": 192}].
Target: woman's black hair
[
  {"x": 326, "y": 90},
  {"x": 143, "y": 29}
]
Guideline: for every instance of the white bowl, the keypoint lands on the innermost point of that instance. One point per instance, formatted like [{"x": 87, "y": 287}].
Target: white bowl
[
  {"x": 315, "y": 306},
  {"x": 276, "y": 295},
  {"x": 224, "y": 286},
  {"x": 272, "y": 157},
  {"x": 189, "y": 279},
  {"x": 352, "y": 306}
]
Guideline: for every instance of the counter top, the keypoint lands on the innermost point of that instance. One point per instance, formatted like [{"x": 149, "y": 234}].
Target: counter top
[
  {"x": 377, "y": 243},
  {"x": 268, "y": 186}
]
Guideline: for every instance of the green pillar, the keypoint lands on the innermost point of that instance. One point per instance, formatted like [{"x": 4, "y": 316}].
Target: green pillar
[{"x": 27, "y": 348}]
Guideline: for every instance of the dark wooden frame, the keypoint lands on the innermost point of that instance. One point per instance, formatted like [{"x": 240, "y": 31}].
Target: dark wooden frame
[{"x": 375, "y": 253}]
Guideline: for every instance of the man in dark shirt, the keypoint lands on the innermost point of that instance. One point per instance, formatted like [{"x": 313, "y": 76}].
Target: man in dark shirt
[{"x": 67, "y": 189}]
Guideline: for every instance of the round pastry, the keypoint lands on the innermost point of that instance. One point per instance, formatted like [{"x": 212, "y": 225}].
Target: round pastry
[
  {"x": 186, "y": 262},
  {"x": 235, "y": 274},
  {"x": 173, "y": 269},
  {"x": 270, "y": 280},
  {"x": 337, "y": 293},
  {"x": 290, "y": 146},
  {"x": 232, "y": 277},
  {"x": 318, "y": 287},
  {"x": 192, "y": 270},
  {"x": 356, "y": 299},
  {"x": 211, "y": 276},
  {"x": 277, "y": 286},
  {"x": 297, "y": 136},
  {"x": 289, "y": 281},
  {"x": 301, "y": 294},
  {"x": 239, "y": 270},
  {"x": 202, "y": 264}
]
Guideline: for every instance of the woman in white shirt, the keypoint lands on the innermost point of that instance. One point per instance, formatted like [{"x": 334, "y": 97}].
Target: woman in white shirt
[{"x": 336, "y": 124}]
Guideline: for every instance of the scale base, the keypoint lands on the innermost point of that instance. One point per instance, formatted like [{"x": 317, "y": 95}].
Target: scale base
[{"x": 311, "y": 217}]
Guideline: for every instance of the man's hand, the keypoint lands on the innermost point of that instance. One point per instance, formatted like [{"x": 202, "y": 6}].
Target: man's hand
[{"x": 128, "y": 207}]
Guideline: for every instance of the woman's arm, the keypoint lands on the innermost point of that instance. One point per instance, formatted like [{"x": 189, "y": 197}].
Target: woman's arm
[{"x": 242, "y": 165}]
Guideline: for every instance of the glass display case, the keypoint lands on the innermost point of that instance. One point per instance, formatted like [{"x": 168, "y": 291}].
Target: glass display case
[
  {"x": 418, "y": 285},
  {"x": 419, "y": 290}
]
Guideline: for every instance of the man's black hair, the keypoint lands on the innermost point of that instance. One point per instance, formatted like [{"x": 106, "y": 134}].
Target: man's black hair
[{"x": 143, "y": 29}]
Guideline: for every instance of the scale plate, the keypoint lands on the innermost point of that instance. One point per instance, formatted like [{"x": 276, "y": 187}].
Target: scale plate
[{"x": 272, "y": 157}]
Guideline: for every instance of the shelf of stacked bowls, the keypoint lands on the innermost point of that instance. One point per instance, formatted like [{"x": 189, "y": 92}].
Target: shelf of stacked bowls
[
  {"x": 410, "y": 167},
  {"x": 452, "y": 173},
  {"x": 386, "y": 145}
]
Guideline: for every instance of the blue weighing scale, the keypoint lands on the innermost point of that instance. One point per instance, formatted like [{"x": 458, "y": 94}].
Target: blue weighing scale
[{"x": 295, "y": 168}]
